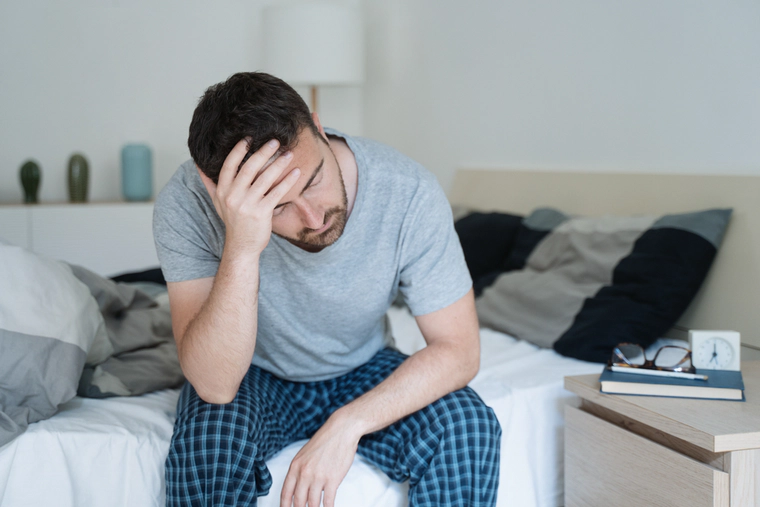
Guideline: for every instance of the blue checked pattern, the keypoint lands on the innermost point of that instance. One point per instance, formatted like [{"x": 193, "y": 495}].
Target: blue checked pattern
[{"x": 449, "y": 450}]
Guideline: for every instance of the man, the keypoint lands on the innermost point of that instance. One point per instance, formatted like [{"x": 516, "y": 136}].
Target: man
[{"x": 284, "y": 244}]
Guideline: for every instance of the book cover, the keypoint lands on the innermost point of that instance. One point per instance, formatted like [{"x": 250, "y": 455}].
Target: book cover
[{"x": 720, "y": 385}]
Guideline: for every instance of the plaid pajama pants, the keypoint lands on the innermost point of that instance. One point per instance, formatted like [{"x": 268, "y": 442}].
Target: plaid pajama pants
[{"x": 449, "y": 450}]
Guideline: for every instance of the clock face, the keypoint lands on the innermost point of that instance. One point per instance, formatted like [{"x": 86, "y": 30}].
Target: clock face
[{"x": 714, "y": 353}]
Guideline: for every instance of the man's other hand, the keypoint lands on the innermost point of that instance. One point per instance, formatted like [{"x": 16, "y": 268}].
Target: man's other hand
[
  {"x": 245, "y": 199},
  {"x": 321, "y": 465}
]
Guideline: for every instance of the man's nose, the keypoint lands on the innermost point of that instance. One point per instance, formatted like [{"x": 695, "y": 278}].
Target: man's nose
[{"x": 310, "y": 216}]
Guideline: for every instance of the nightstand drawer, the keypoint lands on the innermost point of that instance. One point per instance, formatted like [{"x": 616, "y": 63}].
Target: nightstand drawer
[{"x": 607, "y": 465}]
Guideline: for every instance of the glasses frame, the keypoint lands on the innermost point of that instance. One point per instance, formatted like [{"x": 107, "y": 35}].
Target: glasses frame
[{"x": 649, "y": 364}]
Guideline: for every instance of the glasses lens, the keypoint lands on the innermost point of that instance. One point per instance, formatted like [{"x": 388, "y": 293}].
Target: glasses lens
[
  {"x": 630, "y": 353},
  {"x": 671, "y": 356}
]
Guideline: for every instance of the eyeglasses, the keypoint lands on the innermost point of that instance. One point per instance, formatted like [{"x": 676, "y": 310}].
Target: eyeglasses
[{"x": 667, "y": 358}]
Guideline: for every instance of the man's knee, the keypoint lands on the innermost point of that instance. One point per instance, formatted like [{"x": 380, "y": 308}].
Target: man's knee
[
  {"x": 464, "y": 414},
  {"x": 213, "y": 453},
  {"x": 232, "y": 421}
]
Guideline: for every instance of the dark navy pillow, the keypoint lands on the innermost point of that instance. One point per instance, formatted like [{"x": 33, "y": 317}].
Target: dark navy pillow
[
  {"x": 154, "y": 275},
  {"x": 487, "y": 241}
]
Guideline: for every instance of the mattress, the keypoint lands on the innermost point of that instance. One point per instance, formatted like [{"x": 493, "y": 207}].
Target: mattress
[{"x": 111, "y": 452}]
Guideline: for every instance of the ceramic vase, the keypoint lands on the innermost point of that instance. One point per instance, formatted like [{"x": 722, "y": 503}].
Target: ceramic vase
[
  {"x": 78, "y": 176},
  {"x": 30, "y": 175},
  {"x": 136, "y": 172}
]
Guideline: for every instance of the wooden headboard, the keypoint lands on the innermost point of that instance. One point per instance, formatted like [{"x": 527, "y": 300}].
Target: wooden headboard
[{"x": 730, "y": 297}]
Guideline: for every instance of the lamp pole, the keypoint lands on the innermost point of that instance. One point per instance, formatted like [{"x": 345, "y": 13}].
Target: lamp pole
[{"x": 290, "y": 30}]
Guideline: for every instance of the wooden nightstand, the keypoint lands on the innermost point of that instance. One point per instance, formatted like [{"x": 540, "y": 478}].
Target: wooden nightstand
[{"x": 647, "y": 451}]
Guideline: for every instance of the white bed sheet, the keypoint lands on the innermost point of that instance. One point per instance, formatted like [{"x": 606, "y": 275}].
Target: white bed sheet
[{"x": 111, "y": 452}]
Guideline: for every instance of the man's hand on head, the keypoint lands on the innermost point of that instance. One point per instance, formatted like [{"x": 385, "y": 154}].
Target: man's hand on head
[
  {"x": 245, "y": 199},
  {"x": 321, "y": 465}
]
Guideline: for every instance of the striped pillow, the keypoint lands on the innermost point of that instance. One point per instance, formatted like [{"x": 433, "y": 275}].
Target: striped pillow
[{"x": 583, "y": 285}]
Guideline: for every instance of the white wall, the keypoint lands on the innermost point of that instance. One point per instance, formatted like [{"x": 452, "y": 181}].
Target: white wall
[
  {"x": 91, "y": 75},
  {"x": 627, "y": 85}
]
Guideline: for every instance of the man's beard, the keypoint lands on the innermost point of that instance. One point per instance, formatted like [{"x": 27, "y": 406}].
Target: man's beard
[{"x": 312, "y": 242}]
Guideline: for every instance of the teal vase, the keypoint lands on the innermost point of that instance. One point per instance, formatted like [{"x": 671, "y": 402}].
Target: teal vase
[
  {"x": 30, "y": 175},
  {"x": 136, "y": 172},
  {"x": 79, "y": 175}
]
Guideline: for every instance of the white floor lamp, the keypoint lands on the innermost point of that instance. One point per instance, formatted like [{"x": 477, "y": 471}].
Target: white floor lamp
[{"x": 314, "y": 43}]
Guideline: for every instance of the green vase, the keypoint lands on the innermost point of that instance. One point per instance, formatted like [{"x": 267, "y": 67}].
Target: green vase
[
  {"x": 79, "y": 174},
  {"x": 30, "y": 175}
]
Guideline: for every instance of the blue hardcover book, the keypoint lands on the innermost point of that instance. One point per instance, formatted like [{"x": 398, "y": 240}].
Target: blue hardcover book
[{"x": 720, "y": 385}]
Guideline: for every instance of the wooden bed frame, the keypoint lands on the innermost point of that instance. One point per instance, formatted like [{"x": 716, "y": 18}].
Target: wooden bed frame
[{"x": 729, "y": 298}]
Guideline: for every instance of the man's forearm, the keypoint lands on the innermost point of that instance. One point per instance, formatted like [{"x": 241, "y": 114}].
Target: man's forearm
[
  {"x": 426, "y": 376},
  {"x": 423, "y": 378},
  {"x": 218, "y": 344}
]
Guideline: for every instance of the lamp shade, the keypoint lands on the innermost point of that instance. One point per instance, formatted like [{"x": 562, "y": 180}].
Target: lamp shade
[{"x": 314, "y": 43}]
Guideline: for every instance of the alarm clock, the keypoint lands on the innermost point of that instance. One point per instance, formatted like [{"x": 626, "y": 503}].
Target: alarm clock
[{"x": 715, "y": 350}]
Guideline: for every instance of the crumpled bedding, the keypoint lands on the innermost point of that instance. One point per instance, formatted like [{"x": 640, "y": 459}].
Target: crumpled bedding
[
  {"x": 143, "y": 354},
  {"x": 65, "y": 329}
]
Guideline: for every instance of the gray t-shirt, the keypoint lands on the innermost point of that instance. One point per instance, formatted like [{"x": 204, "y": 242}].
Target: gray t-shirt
[{"x": 322, "y": 314}]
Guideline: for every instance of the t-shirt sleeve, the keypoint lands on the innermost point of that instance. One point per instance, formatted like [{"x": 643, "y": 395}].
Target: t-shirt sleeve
[
  {"x": 433, "y": 271},
  {"x": 184, "y": 237}
]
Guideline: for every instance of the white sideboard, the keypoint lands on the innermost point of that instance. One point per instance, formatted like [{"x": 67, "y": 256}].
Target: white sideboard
[{"x": 107, "y": 238}]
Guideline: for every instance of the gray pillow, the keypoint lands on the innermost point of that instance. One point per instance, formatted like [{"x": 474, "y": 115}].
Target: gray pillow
[{"x": 49, "y": 323}]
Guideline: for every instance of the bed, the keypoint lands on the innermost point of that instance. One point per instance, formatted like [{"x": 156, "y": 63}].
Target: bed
[{"x": 110, "y": 452}]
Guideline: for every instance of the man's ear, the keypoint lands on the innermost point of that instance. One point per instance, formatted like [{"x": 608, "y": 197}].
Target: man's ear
[
  {"x": 207, "y": 182},
  {"x": 315, "y": 117}
]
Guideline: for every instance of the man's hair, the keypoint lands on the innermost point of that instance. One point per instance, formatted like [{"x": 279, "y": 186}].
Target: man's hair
[{"x": 251, "y": 104}]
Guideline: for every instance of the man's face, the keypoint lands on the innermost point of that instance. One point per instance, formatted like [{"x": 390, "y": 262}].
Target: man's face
[{"x": 313, "y": 214}]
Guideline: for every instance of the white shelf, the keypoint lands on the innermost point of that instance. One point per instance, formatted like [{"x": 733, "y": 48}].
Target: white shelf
[{"x": 108, "y": 238}]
